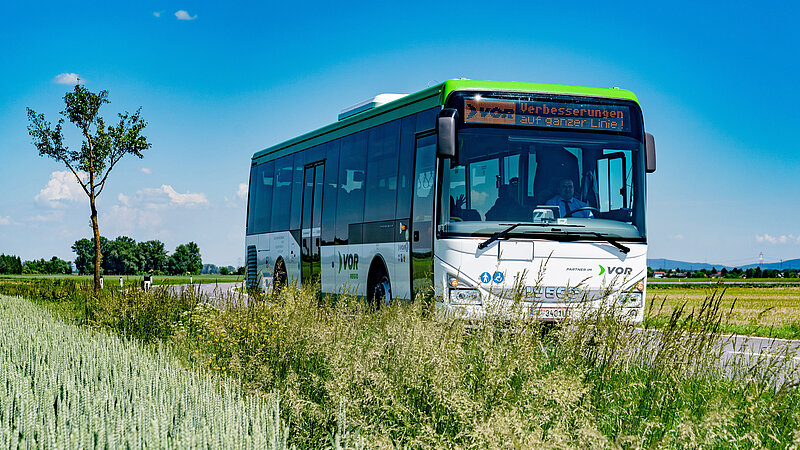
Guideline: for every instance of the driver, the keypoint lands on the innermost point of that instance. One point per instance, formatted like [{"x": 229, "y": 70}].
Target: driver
[{"x": 566, "y": 201}]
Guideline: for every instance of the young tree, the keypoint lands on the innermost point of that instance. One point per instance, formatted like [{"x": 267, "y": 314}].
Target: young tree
[{"x": 102, "y": 147}]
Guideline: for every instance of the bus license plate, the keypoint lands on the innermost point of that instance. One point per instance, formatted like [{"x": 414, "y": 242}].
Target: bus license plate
[{"x": 551, "y": 313}]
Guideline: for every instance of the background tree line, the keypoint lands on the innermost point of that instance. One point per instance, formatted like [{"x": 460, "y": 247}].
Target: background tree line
[
  {"x": 124, "y": 256},
  {"x": 10, "y": 264},
  {"x": 752, "y": 272}
]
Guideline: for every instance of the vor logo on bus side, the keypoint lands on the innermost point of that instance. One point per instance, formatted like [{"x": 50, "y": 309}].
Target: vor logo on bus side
[
  {"x": 348, "y": 261},
  {"x": 616, "y": 270}
]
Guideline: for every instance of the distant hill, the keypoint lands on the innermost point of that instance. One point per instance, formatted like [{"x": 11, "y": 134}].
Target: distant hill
[{"x": 661, "y": 263}]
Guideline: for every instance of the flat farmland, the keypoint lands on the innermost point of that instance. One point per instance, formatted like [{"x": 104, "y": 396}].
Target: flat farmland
[{"x": 769, "y": 310}]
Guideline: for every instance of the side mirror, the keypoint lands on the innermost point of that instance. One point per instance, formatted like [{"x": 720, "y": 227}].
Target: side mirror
[
  {"x": 446, "y": 133},
  {"x": 650, "y": 153}
]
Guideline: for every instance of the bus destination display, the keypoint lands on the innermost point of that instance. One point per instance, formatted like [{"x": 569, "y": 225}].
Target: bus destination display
[{"x": 547, "y": 114}]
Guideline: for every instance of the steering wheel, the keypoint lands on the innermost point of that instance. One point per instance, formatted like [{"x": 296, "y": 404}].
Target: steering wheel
[{"x": 584, "y": 208}]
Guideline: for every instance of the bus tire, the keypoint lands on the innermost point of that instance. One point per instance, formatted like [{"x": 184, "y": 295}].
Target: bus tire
[
  {"x": 379, "y": 287},
  {"x": 279, "y": 279}
]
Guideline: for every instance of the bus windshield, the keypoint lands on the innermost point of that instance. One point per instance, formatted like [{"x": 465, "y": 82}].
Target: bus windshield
[{"x": 554, "y": 184}]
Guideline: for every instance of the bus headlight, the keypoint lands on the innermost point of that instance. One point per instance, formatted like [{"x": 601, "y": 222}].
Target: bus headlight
[
  {"x": 631, "y": 299},
  {"x": 465, "y": 297}
]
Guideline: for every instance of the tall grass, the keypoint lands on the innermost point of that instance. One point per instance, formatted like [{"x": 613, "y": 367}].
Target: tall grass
[
  {"x": 411, "y": 378},
  {"x": 405, "y": 376},
  {"x": 65, "y": 387}
]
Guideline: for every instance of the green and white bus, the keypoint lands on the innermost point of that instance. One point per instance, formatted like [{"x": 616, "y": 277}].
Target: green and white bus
[{"x": 468, "y": 190}]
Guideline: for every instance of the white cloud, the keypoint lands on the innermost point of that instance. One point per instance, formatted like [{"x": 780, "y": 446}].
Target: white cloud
[
  {"x": 5, "y": 220},
  {"x": 183, "y": 15},
  {"x": 242, "y": 191},
  {"x": 124, "y": 199},
  {"x": 62, "y": 187},
  {"x": 166, "y": 195},
  {"x": 126, "y": 220},
  {"x": 146, "y": 171},
  {"x": 678, "y": 237},
  {"x": 67, "y": 78},
  {"x": 782, "y": 239},
  {"x": 187, "y": 199},
  {"x": 157, "y": 13}
]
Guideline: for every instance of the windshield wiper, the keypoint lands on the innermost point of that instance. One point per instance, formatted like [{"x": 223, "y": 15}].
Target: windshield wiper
[
  {"x": 612, "y": 241},
  {"x": 503, "y": 233},
  {"x": 497, "y": 236}
]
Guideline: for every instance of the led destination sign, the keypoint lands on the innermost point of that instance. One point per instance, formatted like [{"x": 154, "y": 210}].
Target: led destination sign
[{"x": 547, "y": 114}]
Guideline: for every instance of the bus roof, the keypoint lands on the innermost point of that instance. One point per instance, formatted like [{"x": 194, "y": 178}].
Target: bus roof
[{"x": 422, "y": 100}]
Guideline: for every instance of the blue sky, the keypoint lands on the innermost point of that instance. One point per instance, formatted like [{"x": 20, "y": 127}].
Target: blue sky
[{"x": 716, "y": 83}]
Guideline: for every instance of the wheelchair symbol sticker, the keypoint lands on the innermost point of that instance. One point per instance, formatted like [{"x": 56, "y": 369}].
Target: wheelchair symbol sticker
[
  {"x": 485, "y": 277},
  {"x": 498, "y": 277}
]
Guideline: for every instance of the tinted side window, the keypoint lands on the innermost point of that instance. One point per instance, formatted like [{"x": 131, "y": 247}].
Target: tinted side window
[
  {"x": 352, "y": 165},
  {"x": 261, "y": 198},
  {"x": 381, "y": 194},
  {"x": 426, "y": 120},
  {"x": 405, "y": 164},
  {"x": 297, "y": 191},
  {"x": 330, "y": 193},
  {"x": 282, "y": 194}
]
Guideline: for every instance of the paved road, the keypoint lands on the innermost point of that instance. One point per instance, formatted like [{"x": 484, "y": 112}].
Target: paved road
[
  {"x": 777, "y": 359},
  {"x": 222, "y": 295}
]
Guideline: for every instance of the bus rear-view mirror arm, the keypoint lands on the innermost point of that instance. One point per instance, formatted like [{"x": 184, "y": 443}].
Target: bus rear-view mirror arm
[
  {"x": 446, "y": 133},
  {"x": 650, "y": 153}
]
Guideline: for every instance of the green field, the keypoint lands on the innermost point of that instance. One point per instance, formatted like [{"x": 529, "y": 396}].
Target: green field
[
  {"x": 62, "y": 386},
  {"x": 771, "y": 310}
]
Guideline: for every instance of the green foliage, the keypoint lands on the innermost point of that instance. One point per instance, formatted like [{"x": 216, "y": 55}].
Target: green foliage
[
  {"x": 124, "y": 256},
  {"x": 223, "y": 270},
  {"x": 10, "y": 264},
  {"x": 153, "y": 256},
  {"x": 185, "y": 259},
  {"x": 104, "y": 145},
  {"x": 54, "y": 266},
  {"x": 84, "y": 250}
]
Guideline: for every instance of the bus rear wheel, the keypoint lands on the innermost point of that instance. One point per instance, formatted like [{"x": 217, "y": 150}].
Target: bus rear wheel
[{"x": 380, "y": 289}]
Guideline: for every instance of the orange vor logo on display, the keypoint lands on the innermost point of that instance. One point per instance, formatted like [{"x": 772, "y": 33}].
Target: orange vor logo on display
[{"x": 501, "y": 113}]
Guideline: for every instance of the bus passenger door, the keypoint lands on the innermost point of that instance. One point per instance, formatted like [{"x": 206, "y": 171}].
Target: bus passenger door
[
  {"x": 311, "y": 220},
  {"x": 422, "y": 215}
]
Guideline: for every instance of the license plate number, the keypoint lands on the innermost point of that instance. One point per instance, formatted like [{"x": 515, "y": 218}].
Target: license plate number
[{"x": 551, "y": 313}]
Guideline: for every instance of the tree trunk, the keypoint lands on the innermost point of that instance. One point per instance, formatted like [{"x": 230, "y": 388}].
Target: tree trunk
[{"x": 98, "y": 256}]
